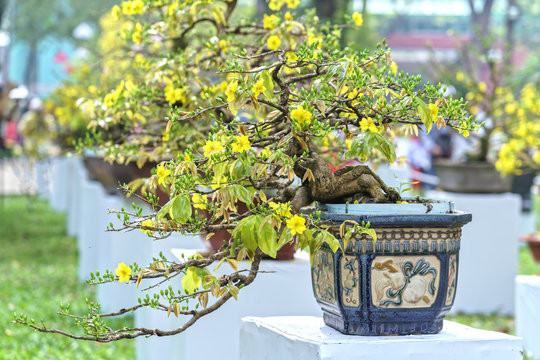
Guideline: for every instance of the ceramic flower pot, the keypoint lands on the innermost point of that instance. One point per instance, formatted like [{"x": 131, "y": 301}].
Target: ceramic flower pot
[
  {"x": 533, "y": 240},
  {"x": 404, "y": 283}
]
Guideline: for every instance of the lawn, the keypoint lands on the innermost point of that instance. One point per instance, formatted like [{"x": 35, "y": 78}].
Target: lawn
[{"x": 39, "y": 266}]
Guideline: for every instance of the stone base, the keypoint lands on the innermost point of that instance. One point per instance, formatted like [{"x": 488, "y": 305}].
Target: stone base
[
  {"x": 528, "y": 313},
  {"x": 307, "y": 338}
]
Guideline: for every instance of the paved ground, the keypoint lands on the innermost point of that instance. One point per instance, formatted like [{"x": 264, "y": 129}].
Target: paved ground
[{"x": 17, "y": 176}]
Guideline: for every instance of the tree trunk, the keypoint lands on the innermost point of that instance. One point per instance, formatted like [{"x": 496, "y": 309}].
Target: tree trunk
[{"x": 31, "y": 71}]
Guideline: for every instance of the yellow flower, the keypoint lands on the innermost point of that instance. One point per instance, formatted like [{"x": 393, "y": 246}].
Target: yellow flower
[
  {"x": 270, "y": 21},
  {"x": 172, "y": 9},
  {"x": 162, "y": 174},
  {"x": 482, "y": 86},
  {"x": 241, "y": 144},
  {"x": 394, "y": 67},
  {"x": 273, "y": 42},
  {"x": 258, "y": 88},
  {"x": 434, "y": 111},
  {"x": 212, "y": 147},
  {"x": 288, "y": 16},
  {"x": 199, "y": 201},
  {"x": 357, "y": 18},
  {"x": 367, "y": 124},
  {"x": 265, "y": 153},
  {"x": 291, "y": 57},
  {"x": 165, "y": 137},
  {"x": 123, "y": 272},
  {"x": 115, "y": 12},
  {"x": 133, "y": 7},
  {"x": 187, "y": 157},
  {"x": 301, "y": 116},
  {"x": 293, "y": 4},
  {"x": 136, "y": 37},
  {"x": 537, "y": 158},
  {"x": 297, "y": 225},
  {"x": 173, "y": 95},
  {"x": 223, "y": 44},
  {"x": 147, "y": 223},
  {"x": 275, "y": 5},
  {"x": 510, "y": 108},
  {"x": 281, "y": 209},
  {"x": 231, "y": 90},
  {"x": 465, "y": 133},
  {"x": 460, "y": 76}
]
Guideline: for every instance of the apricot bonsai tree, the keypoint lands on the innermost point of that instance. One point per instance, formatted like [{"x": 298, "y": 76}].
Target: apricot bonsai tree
[{"x": 281, "y": 99}]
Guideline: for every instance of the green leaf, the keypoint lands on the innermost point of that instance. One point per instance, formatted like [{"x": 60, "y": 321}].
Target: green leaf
[
  {"x": 164, "y": 210},
  {"x": 267, "y": 237},
  {"x": 191, "y": 281},
  {"x": 284, "y": 238},
  {"x": 268, "y": 84},
  {"x": 242, "y": 193},
  {"x": 181, "y": 208},
  {"x": 386, "y": 147},
  {"x": 424, "y": 113}
]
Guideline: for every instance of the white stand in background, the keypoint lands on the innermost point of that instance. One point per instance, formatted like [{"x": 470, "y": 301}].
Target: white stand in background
[
  {"x": 60, "y": 180},
  {"x": 77, "y": 174},
  {"x": 286, "y": 291},
  {"x": 528, "y": 313},
  {"x": 488, "y": 255},
  {"x": 307, "y": 338},
  {"x": 43, "y": 170}
]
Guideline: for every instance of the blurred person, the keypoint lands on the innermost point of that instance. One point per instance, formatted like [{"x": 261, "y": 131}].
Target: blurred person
[{"x": 38, "y": 129}]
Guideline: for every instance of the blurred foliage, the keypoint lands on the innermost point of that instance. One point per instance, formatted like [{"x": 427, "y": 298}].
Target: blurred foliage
[{"x": 39, "y": 263}]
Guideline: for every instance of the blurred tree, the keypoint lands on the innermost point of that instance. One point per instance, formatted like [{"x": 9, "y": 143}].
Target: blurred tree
[{"x": 35, "y": 20}]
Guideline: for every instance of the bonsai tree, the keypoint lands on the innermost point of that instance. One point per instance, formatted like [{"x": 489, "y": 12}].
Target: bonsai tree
[{"x": 278, "y": 97}]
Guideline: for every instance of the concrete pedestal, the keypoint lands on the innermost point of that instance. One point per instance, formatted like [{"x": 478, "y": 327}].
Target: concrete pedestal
[
  {"x": 77, "y": 178},
  {"x": 528, "y": 313},
  {"x": 44, "y": 178},
  {"x": 488, "y": 255},
  {"x": 287, "y": 291},
  {"x": 307, "y": 338},
  {"x": 60, "y": 176}
]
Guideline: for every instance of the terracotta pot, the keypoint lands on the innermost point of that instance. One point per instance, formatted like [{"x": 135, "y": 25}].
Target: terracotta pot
[
  {"x": 473, "y": 177},
  {"x": 215, "y": 242},
  {"x": 533, "y": 240}
]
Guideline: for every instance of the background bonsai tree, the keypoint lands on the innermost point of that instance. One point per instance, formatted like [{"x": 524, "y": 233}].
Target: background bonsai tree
[{"x": 277, "y": 97}]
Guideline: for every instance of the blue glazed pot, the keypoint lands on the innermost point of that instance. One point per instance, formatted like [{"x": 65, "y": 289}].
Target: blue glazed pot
[{"x": 404, "y": 283}]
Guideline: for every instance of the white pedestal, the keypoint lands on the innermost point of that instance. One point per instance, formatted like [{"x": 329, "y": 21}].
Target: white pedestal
[
  {"x": 60, "y": 174},
  {"x": 488, "y": 255},
  {"x": 528, "y": 313},
  {"x": 43, "y": 178},
  {"x": 307, "y": 338},
  {"x": 75, "y": 182},
  {"x": 90, "y": 211},
  {"x": 216, "y": 336}
]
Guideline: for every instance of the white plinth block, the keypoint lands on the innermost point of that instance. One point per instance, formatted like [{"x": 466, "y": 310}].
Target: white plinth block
[
  {"x": 43, "y": 178},
  {"x": 528, "y": 313},
  {"x": 285, "y": 291},
  {"x": 307, "y": 338},
  {"x": 77, "y": 177},
  {"x": 59, "y": 184},
  {"x": 90, "y": 230},
  {"x": 488, "y": 255}
]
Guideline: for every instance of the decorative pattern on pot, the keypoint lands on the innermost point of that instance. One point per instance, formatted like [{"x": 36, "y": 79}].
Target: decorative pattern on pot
[
  {"x": 452, "y": 280},
  {"x": 323, "y": 276},
  {"x": 405, "y": 281}
]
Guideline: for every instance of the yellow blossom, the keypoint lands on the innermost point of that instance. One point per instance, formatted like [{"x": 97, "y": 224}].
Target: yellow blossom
[
  {"x": 288, "y": 16},
  {"x": 165, "y": 137},
  {"x": 434, "y": 111},
  {"x": 273, "y": 42},
  {"x": 270, "y": 21},
  {"x": 394, "y": 68},
  {"x": 367, "y": 124},
  {"x": 275, "y": 5},
  {"x": 301, "y": 116},
  {"x": 115, "y": 12},
  {"x": 281, "y": 209},
  {"x": 357, "y": 18},
  {"x": 136, "y": 37},
  {"x": 212, "y": 147},
  {"x": 297, "y": 225},
  {"x": 231, "y": 90},
  {"x": 199, "y": 201},
  {"x": 510, "y": 108},
  {"x": 123, "y": 272},
  {"x": 293, "y": 4},
  {"x": 172, "y": 9},
  {"x": 258, "y": 88},
  {"x": 162, "y": 174},
  {"x": 537, "y": 158},
  {"x": 223, "y": 44},
  {"x": 265, "y": 153},
  {"x": 173, "y": 95},
  {"x": 187, "y": 157},
  {"x": 482, "y": 86},
  {"x": 133, "y": 7},
  {"x": 241, "y": 144},
  {"x": 291, "y": 56},
  {"x": 460, "y": 76},
  {"x": 148, "y": 223}
]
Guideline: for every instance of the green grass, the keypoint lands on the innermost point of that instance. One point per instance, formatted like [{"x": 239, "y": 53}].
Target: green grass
[{"x": 38, "y": 263}]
